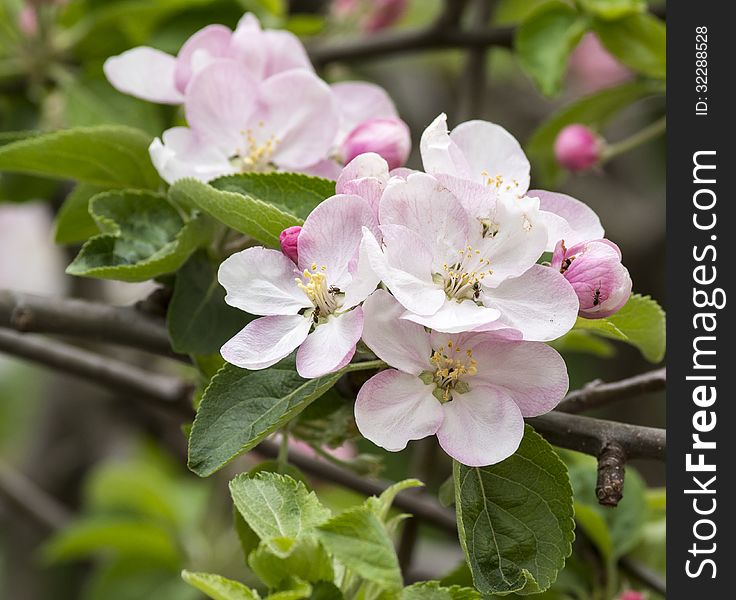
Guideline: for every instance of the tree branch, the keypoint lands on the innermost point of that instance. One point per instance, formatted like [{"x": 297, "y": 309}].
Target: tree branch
[
  {"x": 116, "y": 375},
  {"x": 125, "y": 326},
  {"x": 597, "y": 394}
]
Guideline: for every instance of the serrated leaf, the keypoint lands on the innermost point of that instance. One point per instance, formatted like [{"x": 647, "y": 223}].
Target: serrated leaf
[
  {"x": 294, "y": 193},
  {"x": 381, "y": 505},
  {"x": 73, "y": 222},
  {"x": 545, "y": 39},
  {"x": 198, "y": 320},
  {"x": 641, "y": 323},
  {"x": 432, "y": 590},
  {"x": 638, "y": 41},
  {"x": 218, "y": 587},
  {"x": 360, "y": 542},
  {"x": 260, "y": 205},
  {"x": 307, "y": 561},
  {"x": 613, "y": 9},
  {"x": 515, "y": 518},
  {"x": 107, "y": 156},
  {"x": 594, "y": 111},
  {"x": 279, "y": 509},
  {"x": 240, "y": 408},
  {"x": 143, "y": 237}
]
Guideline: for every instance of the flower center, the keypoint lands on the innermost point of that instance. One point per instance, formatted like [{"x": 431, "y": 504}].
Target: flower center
[
  {"x": 498, "y": 182},
  {"x": 257, "y": 155},
  {"x": 325, "y": 298},
  {"x": 462, "y": 279},
  {"x": 452, "y": 366}
]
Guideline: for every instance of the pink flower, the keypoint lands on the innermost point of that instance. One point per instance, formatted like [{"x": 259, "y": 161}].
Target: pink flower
[
  {"x": 240, "y": 123},
  {"x": 471, "y": 390},
  {"x": 383, "y": 14},
  {"x": 594, "y": 270},
  {"x": 389, "y": 138},
  {"x": 577, "y": 148},
  {"x": 153, "y": 75},
  {"x": 453, "y": 272},
  {"x": 631, "y": 595},
  {"x": 288, "y": 240},
  {"x": 480, "y": 161},
  {"x": 593, "y": 68},
  {"x": 28, "y": 20},
  {"x": 314, "y": 305}
]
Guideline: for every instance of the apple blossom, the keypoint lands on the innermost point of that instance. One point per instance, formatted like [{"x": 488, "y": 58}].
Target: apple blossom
[
  {"x": 593, "y": 67},
  {"x": 577, "y": 148},
  {"x": 288, "y": 240},
  {"x": 479, "y": 161},
  {"x": 390, "y": 138},
  {"x": 594, "y": 270},
  {"x": 370, "y": 15},
  {"x": 28, "y": 20},
  {"x": 313, "y": 305},
  {"x": 454, "y": 273},
  {"x": 631, "y": 595},
  {"x": 471, "y": 390}
]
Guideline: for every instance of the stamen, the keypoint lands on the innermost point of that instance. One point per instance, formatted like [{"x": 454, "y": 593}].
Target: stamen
[{"x": 451, "y": 371}]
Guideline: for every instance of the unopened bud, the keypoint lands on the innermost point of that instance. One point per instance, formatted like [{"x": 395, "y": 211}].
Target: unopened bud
[
  {"x": 383, "y": 14},
  {"x": 288, "y": 239},
  {"x": 577, "y": 148},
  {"x": 389, "y": 138},
  {"x": 594, "y": 270},
  {"x": 28, "y": 20},
  {"x": 631, "y": 595}
]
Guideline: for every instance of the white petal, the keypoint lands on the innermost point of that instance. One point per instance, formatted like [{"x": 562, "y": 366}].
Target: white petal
[
  {"x": 440, "y": 155},
  {"x": 567, "y": 219},
  {"x": 456, "y": 317},
  {"x": 180, "y": 153},
  {"x": 331, "y": 345},
  {"x": 359, "y": 101},
  {"x": 145, "y": 73}
]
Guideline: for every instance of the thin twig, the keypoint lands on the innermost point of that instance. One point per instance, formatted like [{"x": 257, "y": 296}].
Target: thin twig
[
  {"x": 116, "y": 375},
  {"x": 474, "y": 77},
  {"x": 597, "y": 394}
]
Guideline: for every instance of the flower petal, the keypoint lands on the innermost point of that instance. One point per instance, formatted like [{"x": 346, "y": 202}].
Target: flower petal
[
  {"x": 331, "y": 236},
  {"x": 440, "y": 154},
  {"x": 533, "y": 374},
  {"x": 481, "y": 427},
  {"x": 284, "y": 51},
  {"x": 567, "y": 219},
  {"x": 403, "y": 345},
  {"x": 359, "y": 101},
  {"x": 456, "y": 317},
  {"x": 331, "y": 345},
  {"x": 198, "y": 51},
  {"x": 261, "y": 281},
  {"x": 540, "y": 303},
  {"x": 180, "y": 153},
  {"x": 265, "y": 341},
  {"x": 365, "y": 176},
  {"x": 145, "y": 73},
  {"x": 393, "y": 408}
]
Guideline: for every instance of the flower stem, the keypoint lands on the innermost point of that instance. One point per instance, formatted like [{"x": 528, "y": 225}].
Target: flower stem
[
  {"x": 641, "y": 137},
  {"x": 282, "y": 458},
  {"x": 365, "y": 365}
]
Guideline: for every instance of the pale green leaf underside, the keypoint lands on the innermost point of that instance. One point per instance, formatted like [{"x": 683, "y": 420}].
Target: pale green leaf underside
[{"x": 218, "y": 587}]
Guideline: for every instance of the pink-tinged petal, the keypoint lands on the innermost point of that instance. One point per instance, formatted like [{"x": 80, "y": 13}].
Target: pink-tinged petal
[
  {"x": 297, "y": 108},
  {"x": 402, "y": 172},
  {"x": 327, "y": 168},
  {"x": 394, "y": 408},
  {"x": 481, "y": 427},
  {"x": 365, "y": 176},
  {"x": 180, "y": 153},
  {"x": 247, "y": 46},
  {"x": 423, "y": 205},
  {"x": 221, "y": 99},
  {"x": 284, "y": 51},
  {"x": 567, "y": 219},
  {"x": 533, "y": 374},
  {"x": 405, "y": 266},
  {"x": 540, "y": 303},
  {"x": 198, "y": 51},
  {"x": 288, "y": 240},
  {"x": 477, "y": 198},
  {"x": 364, "y": 281},
  {"x": 331, "y": 345},
  {"x": 492, "y": 152},
  {"x": 145, "y": 73},
  {"x": 440, "y": 154},
  {"x": 390, "y": 138},
  {"x": 456, "y": 317},
  {"x": 331, "y": 236},
  {"x": 265, "y": 341},
  {"x": 359, "y": 101},
  {"x": 403, "y": 345},
  {"x": 261, "y": 281}
]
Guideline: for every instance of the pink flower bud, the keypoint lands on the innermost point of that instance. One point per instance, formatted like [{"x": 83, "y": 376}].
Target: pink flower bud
[
  {"x": 631, "y": 595},
  {"x": 288, "y": 239},
  {"x": 594, "y": 68},
  {"x": 28, "y": 20},
  {"x": 594, "y": 270},
  {"x": 390, "y": 138},
  {"x": 577, "y": 148},
  {"x": 383, "y": 14}
]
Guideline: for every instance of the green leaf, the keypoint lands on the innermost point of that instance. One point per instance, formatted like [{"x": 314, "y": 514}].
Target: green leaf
[
  {"x": 515, "y": 518},
  {"x": 120, "y": 536},
  {"x": 307, "y": 560},
  {"x": 613, "y": 9},
  {"x": 278, "y": 508},
  {"x": 281, "y": 199},
  {"x": 73, "y": 222},
  {"x": 143, "y": 237},
  {"x": 198, "y": 320},
  {"x": 240, "y": 408},
  {"x": 641, "y": 323},
  {"x": 294, "y": 193},
  {"x": 326, "y": 590},
  {"x": 544, "y": 41},
  {"x": 583, "y": 342},
  {"x": 432, "y": 590},
  {"x": 594, "y": 111},
  {"x": 107, "y": 156},
  {"x": 218, "y": 587},
  {"x": 382, "y": 504},
  {"x": 638, "y": 41},
  {"x": 298, "y": 590},
  {"x": 360, "y": 542}
]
